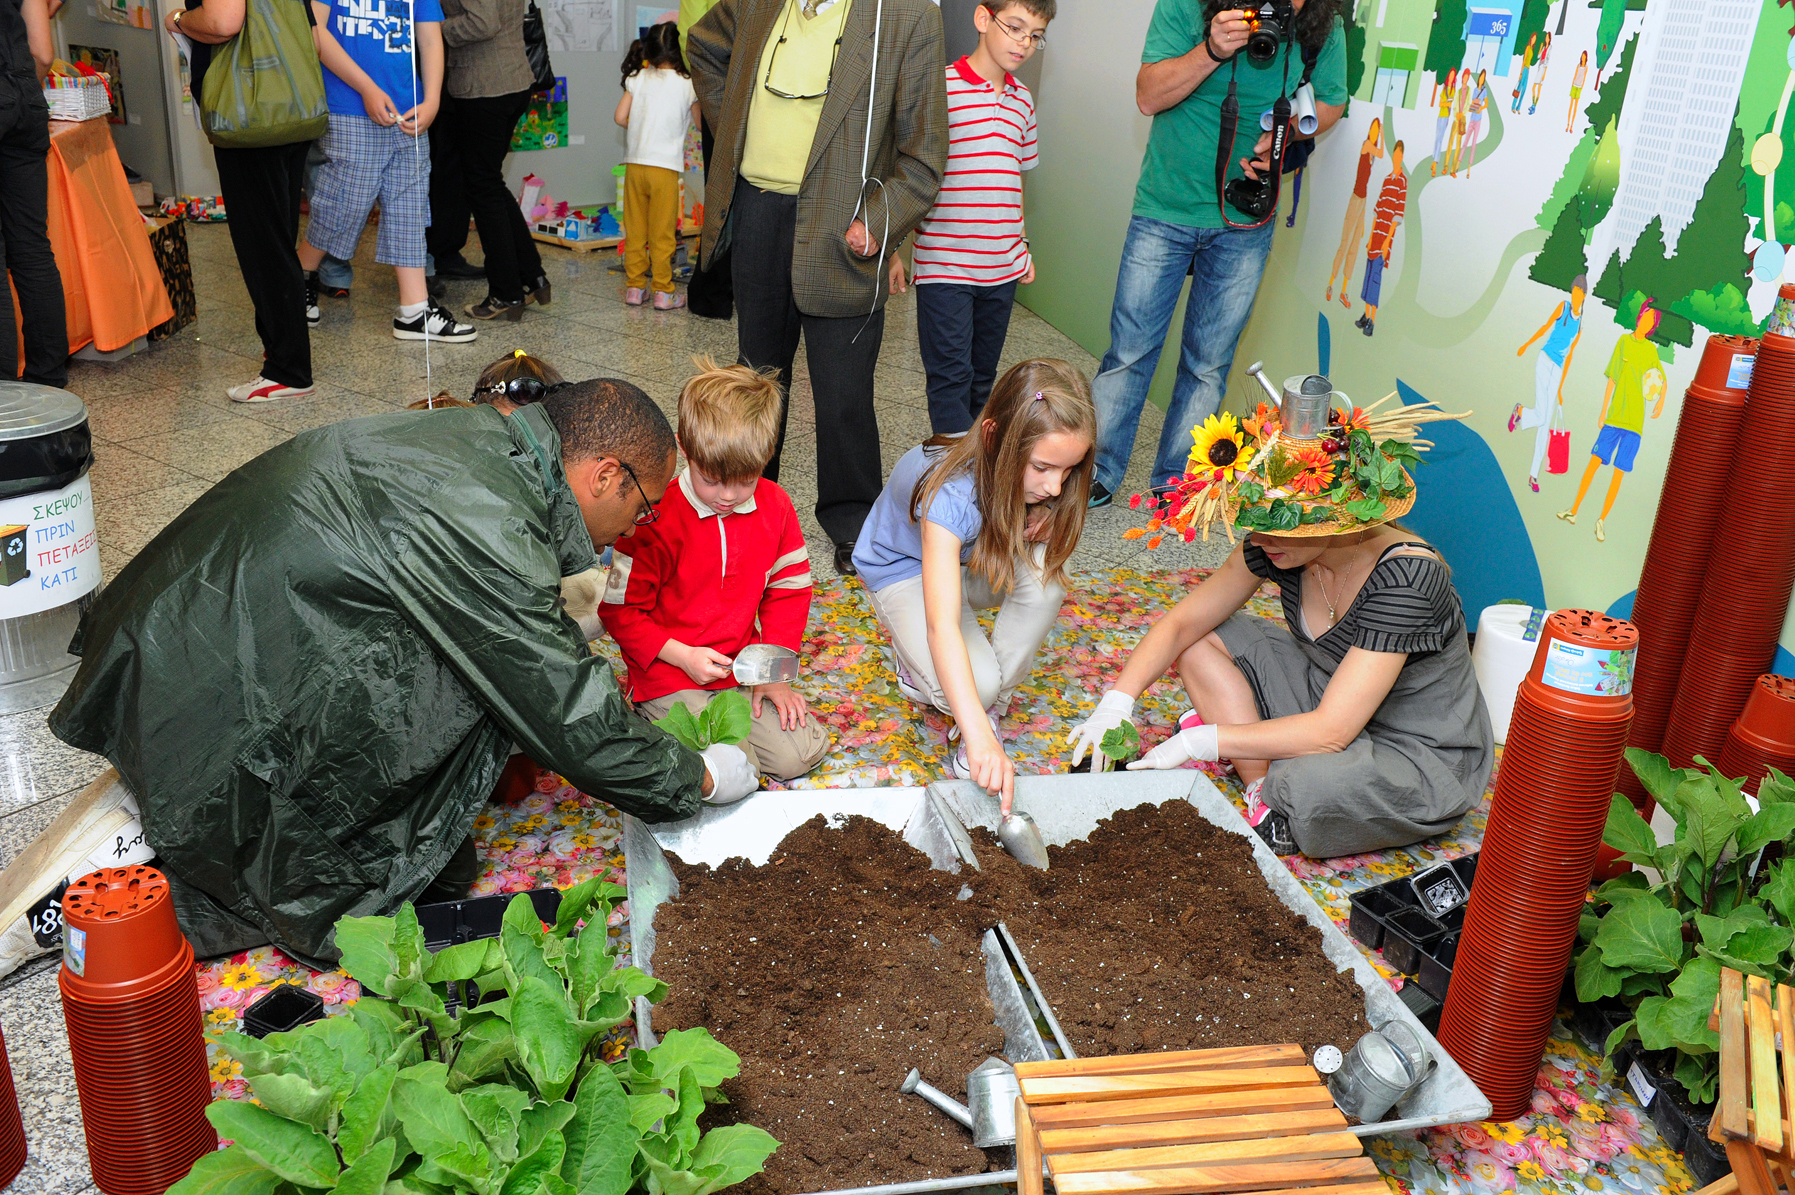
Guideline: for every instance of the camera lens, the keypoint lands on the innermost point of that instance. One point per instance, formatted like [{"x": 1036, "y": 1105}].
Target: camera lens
[{"x": 1262, "y": 43}]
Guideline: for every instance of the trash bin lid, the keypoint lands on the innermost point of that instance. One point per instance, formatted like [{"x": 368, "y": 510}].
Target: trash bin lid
[{"x": 28, "y": 410}]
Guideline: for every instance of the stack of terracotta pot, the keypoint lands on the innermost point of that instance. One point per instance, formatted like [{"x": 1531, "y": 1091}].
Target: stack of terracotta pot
[
  {"x": 135, "y": 1032},
  {"x": 1745, "y": 591},
  {"x": 1553, "y": 791},
  {"x": 1689, "y": 511},
  {"x": 1764, "y": 736},
  {"x": 12, "y": 1125}
]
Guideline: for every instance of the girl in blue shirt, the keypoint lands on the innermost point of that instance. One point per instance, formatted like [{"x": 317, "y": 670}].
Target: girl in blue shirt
[{"x": 987, "y": 519}]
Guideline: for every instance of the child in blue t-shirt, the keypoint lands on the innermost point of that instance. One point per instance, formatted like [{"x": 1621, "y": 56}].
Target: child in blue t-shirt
[{"x": 383, "y": 73}]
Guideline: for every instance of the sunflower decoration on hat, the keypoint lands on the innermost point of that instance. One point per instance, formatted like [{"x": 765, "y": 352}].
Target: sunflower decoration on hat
[{"x": 1250, "y": 474}]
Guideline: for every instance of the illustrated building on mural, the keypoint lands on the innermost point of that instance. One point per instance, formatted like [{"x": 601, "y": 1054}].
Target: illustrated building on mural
[
  {"x": 1397, "y": 34},
  {"x": 1677, "y": 116}
]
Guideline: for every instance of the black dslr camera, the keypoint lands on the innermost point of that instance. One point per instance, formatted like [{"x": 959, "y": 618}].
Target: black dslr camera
[
  {"x": 1254, "y": 196},
  {"x": 1271, "y": 23}
]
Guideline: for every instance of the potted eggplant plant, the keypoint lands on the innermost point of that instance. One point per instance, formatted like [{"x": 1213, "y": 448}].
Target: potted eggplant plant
[{"x": 1719, "y": 894}]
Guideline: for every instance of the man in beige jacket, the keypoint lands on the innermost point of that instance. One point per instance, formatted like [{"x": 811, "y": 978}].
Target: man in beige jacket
[{"x": 831, "y": 134}]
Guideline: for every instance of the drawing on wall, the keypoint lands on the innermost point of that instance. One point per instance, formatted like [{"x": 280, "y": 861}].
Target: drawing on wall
[
  {"x": 1635, "y": 381},
  {"x": 1392, "y": 200},
  {"x": 1352, "y": 231},
  {"x": 1561, "y": 332},
  {"x": 652, "y": 14},
  {"x": 582, "y": 26},
  {"x": 544, "y": 123},
  {"x": 105, "y": 62}
]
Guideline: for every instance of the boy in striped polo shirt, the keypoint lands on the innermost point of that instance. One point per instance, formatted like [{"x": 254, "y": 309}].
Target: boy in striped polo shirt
[{"x": 970, "y": 250}]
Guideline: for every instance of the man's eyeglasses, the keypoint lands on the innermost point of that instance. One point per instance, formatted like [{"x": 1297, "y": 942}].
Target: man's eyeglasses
[
  {"x": 649, "y": 512},
  {"x": 834, "y": 56},
  {"x": 523, "y": 391},
  {"x": 1021, "y": 36}
]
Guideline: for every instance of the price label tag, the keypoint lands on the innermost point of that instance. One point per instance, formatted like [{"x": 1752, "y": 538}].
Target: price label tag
[
  {"x": 74, "y": 949},
  {"x": 1642, "y": 1086},
  {"x": 1738, "y": 372},
  {"x": 1599, "y": 672},
  {"x": 1530, "y": 629}
]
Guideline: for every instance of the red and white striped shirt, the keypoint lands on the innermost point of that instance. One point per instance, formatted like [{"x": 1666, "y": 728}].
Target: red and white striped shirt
[{"x": 973, "y": 234}]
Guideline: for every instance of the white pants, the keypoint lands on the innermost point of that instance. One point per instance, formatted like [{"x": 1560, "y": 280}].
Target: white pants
[
  {"x": 999, "y": 665},
  {"x": 1547, "y": 373}
]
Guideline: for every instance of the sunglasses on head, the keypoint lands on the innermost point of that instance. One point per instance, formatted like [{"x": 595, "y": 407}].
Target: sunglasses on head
[{"x": 523, "y": 391}]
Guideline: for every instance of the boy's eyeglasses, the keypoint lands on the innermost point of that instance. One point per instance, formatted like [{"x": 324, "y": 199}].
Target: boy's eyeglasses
[
  {"x": 524, "y": 391},
  {"x": 649, "y": 512},
  {"x": 1020, "y": 36},
  {"x": 834, "y": 56}
]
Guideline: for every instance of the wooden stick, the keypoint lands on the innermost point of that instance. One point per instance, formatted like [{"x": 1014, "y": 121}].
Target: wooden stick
[
  {"x": 1310, "y": 1147},
  {"x": 1182, "y": 1107},
  {"x": 1028, "y": 1152},
  {"x": 1201, "y": 1180},
  {"x": 1729, "y": 1117},
  {"x": 1764, "y": 1094},
  {"x": 1192, "y": 1132},
  {"x": 1093, "y": 1088}
]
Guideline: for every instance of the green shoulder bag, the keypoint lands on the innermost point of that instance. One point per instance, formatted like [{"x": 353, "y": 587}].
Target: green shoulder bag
[{"x": 265, "y": 86}]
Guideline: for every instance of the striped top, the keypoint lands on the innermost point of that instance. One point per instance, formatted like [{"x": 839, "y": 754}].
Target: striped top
[
  {"x": 973, "y": 234},
  {"x": 1390, "y": 202},
  {"x": 1407, "y": 604}
]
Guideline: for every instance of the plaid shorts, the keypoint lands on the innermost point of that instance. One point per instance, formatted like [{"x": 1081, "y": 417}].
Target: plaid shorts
[{"x": 365, "y": 161}]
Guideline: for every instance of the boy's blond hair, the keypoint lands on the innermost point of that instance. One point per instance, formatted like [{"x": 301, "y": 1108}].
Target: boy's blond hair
[
  {"x": 729, "y": 420},
  {"x": 1041, "y": 10}
]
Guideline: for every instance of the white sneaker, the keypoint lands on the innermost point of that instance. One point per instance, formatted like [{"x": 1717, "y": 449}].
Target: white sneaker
[
  {"x": 260, "y": 389},
  {"x": 959, "y": 765},
  {"x": 907, "y": 685},
  {"x": 434, "y": 323}
]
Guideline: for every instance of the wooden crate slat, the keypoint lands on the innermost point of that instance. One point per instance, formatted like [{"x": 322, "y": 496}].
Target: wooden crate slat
[
  {"x": 1216, "y": 1153},
  {"x": 1765, "y": 1094},
  {"x": 1785, "y": 1019},
  {"x": 1081, "y": 1088},
  {"x": 1192, "y": 1132},
  {"x": 1288, "y": 1054},
  {"x": 1211, "y": 1180},
  {"x": 1181, "y": 1107},
  {"x": 1729, "y": 1116}
]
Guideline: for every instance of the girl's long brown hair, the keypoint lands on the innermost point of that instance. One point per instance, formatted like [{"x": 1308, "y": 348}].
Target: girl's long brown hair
[{"x": 1034, "y": 399}]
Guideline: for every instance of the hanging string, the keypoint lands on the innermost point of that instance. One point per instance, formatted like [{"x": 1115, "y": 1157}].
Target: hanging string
[{"x": 417, "y": 155}]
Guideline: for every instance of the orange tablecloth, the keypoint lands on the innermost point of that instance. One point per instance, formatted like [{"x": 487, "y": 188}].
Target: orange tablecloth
[{"x": 110, "y": 283}]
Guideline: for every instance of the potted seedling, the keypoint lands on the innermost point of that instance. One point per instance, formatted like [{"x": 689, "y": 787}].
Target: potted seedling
[
  {"x": 1118, "y": 745},
  {"x": 1724, "y": 897}
]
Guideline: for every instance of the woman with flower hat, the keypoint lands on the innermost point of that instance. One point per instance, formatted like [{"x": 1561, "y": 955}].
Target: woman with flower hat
[{"x": 1358, "y": 725}]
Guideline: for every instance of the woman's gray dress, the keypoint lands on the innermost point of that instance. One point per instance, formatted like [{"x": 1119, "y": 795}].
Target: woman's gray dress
[{"x": 1424, "y": 759}]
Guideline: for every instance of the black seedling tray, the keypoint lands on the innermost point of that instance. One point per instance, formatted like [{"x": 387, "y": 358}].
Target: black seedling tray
[
  {"x": 1424, "y": 1006},
  {"x": 282, "y": 1010},
  {"x": 479, "y": 917},
  {"x": 1422, "y": 945},
  {"x": 1435, "y": 970},
  {"x": 1409, "y": 934}
]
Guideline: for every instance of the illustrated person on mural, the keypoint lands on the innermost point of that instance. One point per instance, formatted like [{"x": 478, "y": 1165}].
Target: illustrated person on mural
[
  {"x": 1562, "y": 329},
  {"x": 1635, "y": 379}
]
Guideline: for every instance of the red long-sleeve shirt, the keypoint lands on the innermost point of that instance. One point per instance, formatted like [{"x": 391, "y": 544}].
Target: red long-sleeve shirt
[{"x": 707, "y": 580}]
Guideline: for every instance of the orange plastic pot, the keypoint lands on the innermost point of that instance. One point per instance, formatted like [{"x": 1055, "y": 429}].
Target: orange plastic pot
[
  {"x": 12, "y": 1126},
  {"x": 1769, "y": 713},
  {"x": 120, "y": 937},
  {"x": 1724, "y": 359}
]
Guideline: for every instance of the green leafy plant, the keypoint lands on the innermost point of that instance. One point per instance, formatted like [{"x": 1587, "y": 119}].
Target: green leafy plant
[
  {"x": 1725, "y": 898},
  {"x": 724, "y": 719},
  {"x": 1120, "y": 744},
  {"x": 511, "y": 1097}
]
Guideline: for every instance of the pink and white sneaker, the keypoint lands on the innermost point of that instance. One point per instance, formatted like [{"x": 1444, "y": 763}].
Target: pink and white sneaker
[
  {"x": 668, "y": 300},
  {"x": 635, "y": 296},
  {"x": 260, "y": 389}
]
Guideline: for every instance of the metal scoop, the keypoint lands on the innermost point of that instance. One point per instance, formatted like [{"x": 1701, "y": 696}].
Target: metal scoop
[
  {"x": 1022, "y": 838},
  {"x": 765, "y": 664}
]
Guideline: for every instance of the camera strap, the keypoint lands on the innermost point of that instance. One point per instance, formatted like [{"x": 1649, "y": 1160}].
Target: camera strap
[{"x": 1230, "y": 129}]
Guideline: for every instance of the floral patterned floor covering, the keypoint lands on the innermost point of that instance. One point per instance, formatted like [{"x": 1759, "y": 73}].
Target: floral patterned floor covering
[{"x": 1585, "y": 1134}]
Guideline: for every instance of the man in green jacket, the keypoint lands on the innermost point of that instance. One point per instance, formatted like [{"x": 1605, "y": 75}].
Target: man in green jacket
[{"x": 313, "y": 676}]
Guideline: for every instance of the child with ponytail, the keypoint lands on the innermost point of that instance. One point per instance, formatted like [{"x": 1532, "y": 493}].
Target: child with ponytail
[
  {"x": 658, "y": 104},
  {"x": 971, "y": 522}
]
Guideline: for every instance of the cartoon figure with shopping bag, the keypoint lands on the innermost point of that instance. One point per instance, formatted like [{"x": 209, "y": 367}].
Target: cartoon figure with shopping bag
[{"x": 1561, "y": 330}]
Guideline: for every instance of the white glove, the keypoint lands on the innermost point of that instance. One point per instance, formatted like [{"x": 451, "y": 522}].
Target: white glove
[
  {"x": 1116, "y": 708},
  {"x": 1199, "y": 742},
  {"x": 732, "y": 776}
]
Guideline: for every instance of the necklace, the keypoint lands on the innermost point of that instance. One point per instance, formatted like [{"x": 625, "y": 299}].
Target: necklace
[{"x": 1329, "y": 599}]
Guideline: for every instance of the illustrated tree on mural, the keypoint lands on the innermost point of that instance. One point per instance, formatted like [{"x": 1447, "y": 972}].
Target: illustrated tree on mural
[
  {"x": 1446, "y": 44},
  {"x": 1562, "y": 257},
  {"x": 1700, "y": 283},
  {"x": 1614, "y": 14}
]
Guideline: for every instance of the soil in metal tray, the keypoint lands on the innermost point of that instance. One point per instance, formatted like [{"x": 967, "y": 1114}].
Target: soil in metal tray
[{"x": 846, "y": 960}]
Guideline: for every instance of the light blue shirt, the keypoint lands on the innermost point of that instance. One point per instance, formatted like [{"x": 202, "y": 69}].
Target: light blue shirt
[
  {"x": 889, "y": 549},
  {"x": 1563, "y": 332}
]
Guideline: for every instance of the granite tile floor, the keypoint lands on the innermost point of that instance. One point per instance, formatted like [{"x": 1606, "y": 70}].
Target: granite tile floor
[{"x": 164, "y": 431}]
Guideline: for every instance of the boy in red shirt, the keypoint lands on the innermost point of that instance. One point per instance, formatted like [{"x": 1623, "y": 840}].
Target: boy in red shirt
[{"x": 722, "y": 565}]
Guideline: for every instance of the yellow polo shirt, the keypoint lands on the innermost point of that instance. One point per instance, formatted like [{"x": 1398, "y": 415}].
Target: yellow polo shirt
[{"x": 801, "y": 53}]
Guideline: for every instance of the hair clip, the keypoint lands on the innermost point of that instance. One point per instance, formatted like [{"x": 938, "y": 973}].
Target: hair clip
[
  {"x": 519, "y": 353},
  {"x": 1039, "y": 395}
]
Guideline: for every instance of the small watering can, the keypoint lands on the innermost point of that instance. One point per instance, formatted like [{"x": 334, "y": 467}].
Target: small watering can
[
  {"x": 991, "y": 1090},
  {"x": 1303, "y": 404}
]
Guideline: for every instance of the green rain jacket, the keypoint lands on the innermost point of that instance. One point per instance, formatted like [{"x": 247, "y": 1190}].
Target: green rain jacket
[{"x": 313, "y": 676}]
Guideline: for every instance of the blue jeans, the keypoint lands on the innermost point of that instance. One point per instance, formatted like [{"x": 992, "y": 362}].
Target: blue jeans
[{"x": 1225, "y": 265}]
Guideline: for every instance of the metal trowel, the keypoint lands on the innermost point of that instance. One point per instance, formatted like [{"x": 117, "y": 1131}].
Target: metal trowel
[
  {"x": 1022, "y": 838},
  {"x": 765, "y": 664}
]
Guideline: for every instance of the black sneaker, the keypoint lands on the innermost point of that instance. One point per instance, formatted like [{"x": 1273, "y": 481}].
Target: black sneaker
[
  {"x": 435, "y": 323},
  {"x": 312, "y": 314},
  {"x": 1100, "y": 495},
  {"x": 459, "y": 269},
  {"x": 1274, "y": 830},
  {"x": 335, "y": 292}
]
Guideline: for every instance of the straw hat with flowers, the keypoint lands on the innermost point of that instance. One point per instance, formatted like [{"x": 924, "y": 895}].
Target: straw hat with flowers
[{"x": 1246, "y": 473}]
